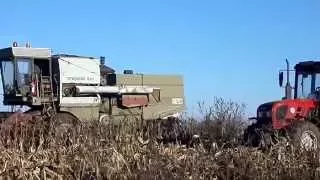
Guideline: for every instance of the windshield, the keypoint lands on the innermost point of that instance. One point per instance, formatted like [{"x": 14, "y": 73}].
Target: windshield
[
  {"x": 20, "y": 84},
  {"x": 7, "y": 76},
  {"x": 304, "y": 85}
]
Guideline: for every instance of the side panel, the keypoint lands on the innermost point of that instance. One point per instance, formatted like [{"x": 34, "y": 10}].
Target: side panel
[
  {"x": 83, "y": 113},
  {"x": 79, "y": 70},
  {"x": 80, "y": 101},
  {"x": 172, "y": 100}
]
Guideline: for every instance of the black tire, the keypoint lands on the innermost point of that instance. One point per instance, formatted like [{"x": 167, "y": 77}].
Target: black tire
[
  {"x": 250, "y": 137},
  {"x": 305, "y": 135}
]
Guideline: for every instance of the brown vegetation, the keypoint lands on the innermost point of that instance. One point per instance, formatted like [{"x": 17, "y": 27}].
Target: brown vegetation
[{"x": 103, "y": 151}]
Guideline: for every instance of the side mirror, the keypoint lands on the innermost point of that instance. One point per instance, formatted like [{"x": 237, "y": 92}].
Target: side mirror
[{"x": 280, "y": 79}]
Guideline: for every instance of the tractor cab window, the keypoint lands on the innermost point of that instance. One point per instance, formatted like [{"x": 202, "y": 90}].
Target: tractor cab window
[
  {"x": 7, "y": 70},
  {"x": 304, "y": 85},
  {"x": 317, "y": 80}
]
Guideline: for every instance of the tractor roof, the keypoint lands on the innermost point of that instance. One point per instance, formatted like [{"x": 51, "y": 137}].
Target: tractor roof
[{"x": 308, "y": 66}]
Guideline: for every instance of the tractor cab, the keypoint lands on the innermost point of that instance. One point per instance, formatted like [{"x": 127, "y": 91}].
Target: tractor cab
[
  {"x": 22, "y": 70},
  {"x": 307, "y": 80}
]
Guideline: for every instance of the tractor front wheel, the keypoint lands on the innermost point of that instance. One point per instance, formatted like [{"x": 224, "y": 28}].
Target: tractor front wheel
[{"x": 251, "y": 136}]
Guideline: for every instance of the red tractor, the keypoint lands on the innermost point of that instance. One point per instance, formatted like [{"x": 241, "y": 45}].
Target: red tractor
[{"x": 295, "y": 120}]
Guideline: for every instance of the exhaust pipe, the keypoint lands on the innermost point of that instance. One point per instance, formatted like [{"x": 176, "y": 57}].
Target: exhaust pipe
[{"x": 288, "y": 91}]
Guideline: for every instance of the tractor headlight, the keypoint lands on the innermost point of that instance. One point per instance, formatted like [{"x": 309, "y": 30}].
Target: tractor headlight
[{"x": 292, "y": 110}]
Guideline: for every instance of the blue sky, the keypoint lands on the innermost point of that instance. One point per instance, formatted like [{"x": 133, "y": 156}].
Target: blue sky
[{"x": 230, "y": 49}]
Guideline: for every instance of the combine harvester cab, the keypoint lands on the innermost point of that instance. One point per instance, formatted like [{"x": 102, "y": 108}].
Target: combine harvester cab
[
  {"x": 84, "y": 89},
  {"x": 21, "y": 69}
]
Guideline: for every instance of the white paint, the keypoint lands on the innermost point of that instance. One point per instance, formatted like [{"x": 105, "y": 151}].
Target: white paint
[
  {"x": 115, "y": 89},
  {"x": 79, "y": 70},
  {"x": 136, "y": 89},
  {"x": 177, "y": 101},
  {"x": 80, "y": 101},
  {"x": 31, "y": 52},
  {"x": 97, "y": 89}
]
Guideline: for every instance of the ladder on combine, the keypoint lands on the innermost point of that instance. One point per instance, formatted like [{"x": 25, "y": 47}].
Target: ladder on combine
[{"x": 47, "y": 95}]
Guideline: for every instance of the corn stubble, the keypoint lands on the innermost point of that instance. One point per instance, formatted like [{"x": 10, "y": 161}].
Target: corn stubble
[{"x": 103, "y": 151}]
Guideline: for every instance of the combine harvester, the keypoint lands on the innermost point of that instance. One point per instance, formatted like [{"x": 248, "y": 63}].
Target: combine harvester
[
  {"x": 81, "y": 89},
  {"x": 292, "y": 120}
]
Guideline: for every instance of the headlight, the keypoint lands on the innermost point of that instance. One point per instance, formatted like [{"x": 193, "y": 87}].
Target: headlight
[{"x": 292, "y": 110}]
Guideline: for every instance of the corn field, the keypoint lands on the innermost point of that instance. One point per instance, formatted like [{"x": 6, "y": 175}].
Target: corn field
[{"x": 102, "y": 151}]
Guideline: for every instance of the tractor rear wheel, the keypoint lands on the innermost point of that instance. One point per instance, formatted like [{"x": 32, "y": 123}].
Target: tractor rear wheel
[{"x": 305, "y": 135}]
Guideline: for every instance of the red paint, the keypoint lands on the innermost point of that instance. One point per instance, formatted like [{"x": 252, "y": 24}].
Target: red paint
[
  {"x": 134, "y": 100},
  {"x": 302, "y": 109}
]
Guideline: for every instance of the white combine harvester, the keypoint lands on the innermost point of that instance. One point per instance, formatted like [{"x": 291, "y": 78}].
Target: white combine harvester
[{"x": 83, "y": 88}]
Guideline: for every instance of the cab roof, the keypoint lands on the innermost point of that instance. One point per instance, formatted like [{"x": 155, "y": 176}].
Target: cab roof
[
  {"x": 308, "y": 66},
  {"x": 71, "y": 56},
  {"x": 25, "y": 52}
]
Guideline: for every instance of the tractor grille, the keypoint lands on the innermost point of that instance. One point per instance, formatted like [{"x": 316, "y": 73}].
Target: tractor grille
[{"x": 281, "y": 112}]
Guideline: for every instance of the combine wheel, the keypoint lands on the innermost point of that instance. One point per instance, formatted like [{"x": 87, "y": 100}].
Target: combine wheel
[
  {"x": 64, "y": 125},
  {"x": 305, "y": 135}
]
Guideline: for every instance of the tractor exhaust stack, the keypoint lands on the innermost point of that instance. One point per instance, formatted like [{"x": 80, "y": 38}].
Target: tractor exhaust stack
[{"x": 288, "y": 91}]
